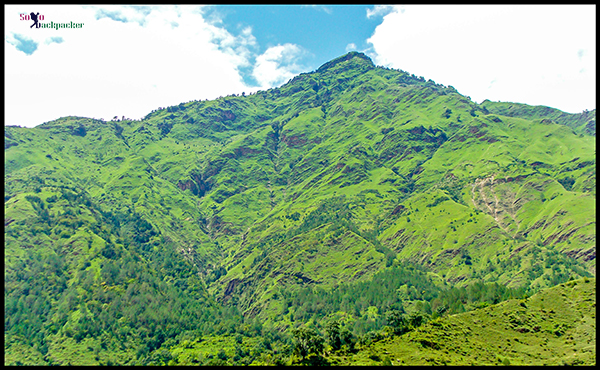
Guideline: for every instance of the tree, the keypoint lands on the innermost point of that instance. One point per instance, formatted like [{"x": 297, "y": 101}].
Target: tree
[
  {"x": 348, "y": 340},
  {"x": 416, "y": 319},
  {"x": 441, "y": 310},
  {"x": 222, "y": 355},
  {"x": 308, "y": 345},
  {"x": 396, "y": 320},
  {"x": 333, "y": 335}
]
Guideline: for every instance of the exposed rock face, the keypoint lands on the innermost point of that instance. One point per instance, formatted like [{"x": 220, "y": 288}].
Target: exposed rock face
[
  {"x": 196, "y": 185},
  {"x": 499, "y": 200}
]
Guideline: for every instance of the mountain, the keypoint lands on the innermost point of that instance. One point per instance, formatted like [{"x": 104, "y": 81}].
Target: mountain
[{"x": 211, "y": 216}]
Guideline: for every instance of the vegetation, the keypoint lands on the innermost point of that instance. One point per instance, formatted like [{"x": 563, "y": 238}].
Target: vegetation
[
  {"x": 554, "y": 327},
  {"x": 352, "y": 212}
]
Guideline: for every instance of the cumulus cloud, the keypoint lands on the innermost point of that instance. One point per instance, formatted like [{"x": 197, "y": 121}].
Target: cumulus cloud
[
  {"x": 126, "y": 60},
  {"x": 539, "y": 55},
  {"x": 277, "y": 65}
]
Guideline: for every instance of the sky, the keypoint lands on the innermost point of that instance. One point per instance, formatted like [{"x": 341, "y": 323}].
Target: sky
[{"x": 129, "y": 60}]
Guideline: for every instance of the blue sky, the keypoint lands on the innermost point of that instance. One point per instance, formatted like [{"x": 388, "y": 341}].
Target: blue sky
[
  {"x": 129, "y": 60},
  {"x": 324, "y": 32}
]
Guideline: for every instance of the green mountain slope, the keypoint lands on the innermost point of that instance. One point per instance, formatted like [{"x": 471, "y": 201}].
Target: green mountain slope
[
  {"x": 229, "y": 209},
  {"x": 583, "y": 123},
  {"x": 554, "y": 327}
]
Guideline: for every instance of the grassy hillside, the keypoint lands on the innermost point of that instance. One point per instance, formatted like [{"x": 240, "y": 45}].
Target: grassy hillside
[
  {"x": 554, "y": 327},
  {"x": 126, "y": 237},
  {"x": 584, "y": 123}
]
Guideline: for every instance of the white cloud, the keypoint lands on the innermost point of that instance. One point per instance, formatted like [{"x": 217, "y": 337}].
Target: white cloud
[
  {"x": 123, "y": 13},
  {"x": 277, "y": 65},
  {"x": 151, "y": 57},
  {"x": 382, "y": 10},
  {"x": 539, "y": 55},
  {"x": 351, "y": 46}
]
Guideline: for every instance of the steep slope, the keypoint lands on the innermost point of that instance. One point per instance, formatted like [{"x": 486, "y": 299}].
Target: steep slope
[
  {"x": 330, "y": 178},
  {"x": 371, "y": 160}
]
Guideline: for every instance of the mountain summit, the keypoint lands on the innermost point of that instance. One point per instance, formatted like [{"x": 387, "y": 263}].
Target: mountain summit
[
  {"x": 368, "y": 185},
  {"x": 354, "y": 56}
]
